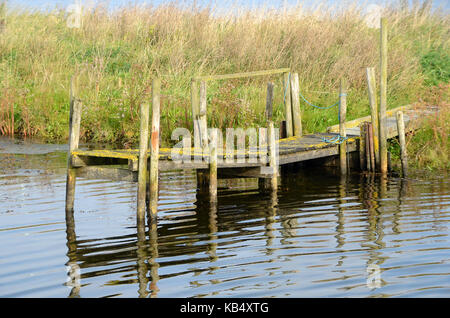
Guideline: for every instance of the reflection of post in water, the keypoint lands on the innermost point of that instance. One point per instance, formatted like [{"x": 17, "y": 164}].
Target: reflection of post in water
[
  {"x": 270, "y": 220},
  {"x": 212, "y": 225},
  {"x": 73, "y": 269},
  {"x": 70, "y": 189},
  {"x": 154, "y": 266},
  {"x": 340, "y": 214},
  {"x": 370, "y": 194},
  {"x": 141, "y": 252},
  {"x": 74, "y": 138}
]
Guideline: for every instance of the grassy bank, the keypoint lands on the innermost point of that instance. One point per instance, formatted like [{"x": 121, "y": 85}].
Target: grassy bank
[{"x": 118, "y": 53}]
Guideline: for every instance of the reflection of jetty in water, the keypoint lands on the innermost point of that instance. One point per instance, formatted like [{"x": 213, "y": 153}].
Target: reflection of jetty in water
[{"x": 198, "y": 238}]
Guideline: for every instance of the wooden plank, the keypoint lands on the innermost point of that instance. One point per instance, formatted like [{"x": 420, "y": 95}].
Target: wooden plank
[
  {"x": 107, "y": 173},
  {"x": 241, "y": 75},
  {"x": 356, "y": 122}
]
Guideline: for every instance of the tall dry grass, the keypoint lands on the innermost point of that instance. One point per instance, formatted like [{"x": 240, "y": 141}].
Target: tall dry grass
[{"x": 118, "y": 53}]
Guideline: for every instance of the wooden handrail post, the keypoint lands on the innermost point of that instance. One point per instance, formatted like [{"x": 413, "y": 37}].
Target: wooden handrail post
[
  {"x": 213, "y": 166},
  {"x": 401, "y": 137},
  {"x": 342, "y": 130},
  {"x": 288, "y": 104},
  {"x": 143, "y": 157},
  {"x": 74, "y": 139},
  {"x": 383, "y": 96},
  {"x": 154, "y": 148},
  {"x": 371, "y": 85},
  {"x": 296, "y": 113}
]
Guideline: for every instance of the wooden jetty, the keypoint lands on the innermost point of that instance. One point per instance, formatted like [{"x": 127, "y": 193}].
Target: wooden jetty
[
  {"x": 262, "y": 162},
  {"x": 266, "y": 153}
]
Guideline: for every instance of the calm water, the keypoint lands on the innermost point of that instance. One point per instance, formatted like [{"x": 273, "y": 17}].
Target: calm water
[{"x": 317, "y": 237}]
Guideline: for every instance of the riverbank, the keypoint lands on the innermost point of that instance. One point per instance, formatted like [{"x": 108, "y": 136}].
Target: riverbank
[{"x": 117, "y": 54}]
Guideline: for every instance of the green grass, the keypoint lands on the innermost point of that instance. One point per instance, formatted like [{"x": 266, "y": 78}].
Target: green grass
[{"x": 118, "y": 55}]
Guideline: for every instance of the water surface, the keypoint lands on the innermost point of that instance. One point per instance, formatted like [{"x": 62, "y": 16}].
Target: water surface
[{"x": 317, "y": 236}]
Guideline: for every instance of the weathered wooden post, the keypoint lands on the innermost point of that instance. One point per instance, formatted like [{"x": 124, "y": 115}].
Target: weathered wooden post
[
  {"x": 195, "y": 104},
  {"x": 143, "y": 158},
  {"x": 202, "y": 116},
  {"x": 273, "y": 160},
  {"x": 154, "y": 148},
  {"x": 371, "y": 154},
  {"x": 269, "y": 101},
  {"x": 362, "y": 146},
  {"x": 295, "y": 92},
  {"x": 213, "y": 167},
  {"x": 74, "y": 138},
  {"x": 367, "y": 143},
  {"x": 342, "y": 130},
  {"x": 401, "y": 137},
  {"x": 287, "y": 104},
  {"x": 383, "y": 96},
  {"x": 371, "y": 84}
]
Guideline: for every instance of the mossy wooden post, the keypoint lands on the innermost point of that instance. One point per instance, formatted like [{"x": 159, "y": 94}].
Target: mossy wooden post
[
  {"x": 288, "y": 104},
  {"x": 195, "y": 104},
  {"x": 371, "y": 155},
  {"x": 203, "y": 126},
  {"x": 154, "y": 148},
  {"x": 383, "y": 96},
  {"x": 367, "y": 143},
  {"x": 342, "y": 130},
  {"x": 143, "y": 157},
  {"x": 362, "y": 146},
  {"x": 269, "y": 101},
  {"x": 74, "y": 138},
  {"x": 401, "y": 137},
  {"x": 273, "y": 160},
  {"x": 213, "y": 167},
  {"x": 295, "y": 97},
  {"x": 371, "y": 85}
]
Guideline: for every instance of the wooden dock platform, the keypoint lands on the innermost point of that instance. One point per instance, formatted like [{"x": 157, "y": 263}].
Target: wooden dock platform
[
  {"x": 291, "y": 150},
  {"x": 262, "y": 158}
]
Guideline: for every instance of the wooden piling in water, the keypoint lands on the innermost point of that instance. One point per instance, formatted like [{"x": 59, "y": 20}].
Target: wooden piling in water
[
  {"x": 273, "y": 160},
  {"x": 362, "y": 147},
  {"x": 74, "y": 139},
  {"x": 371, "y": 85},
  {"x": 213, "y": 167},
  {"x": 154, "y": 148},
  {"x": 342, "y": 130},
  {"x": 288, "y": 104},
  {"x": 401, "y": 137},
  {"x": 142, "y": 164},
  {"x": 383, "y": 96},
  {"x": 295, "y": 97},
  {"x": 367, "y": 143},
  {"x": 371, "y": 154}
]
